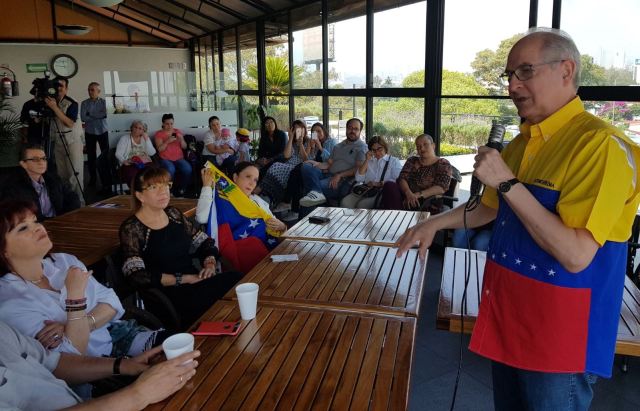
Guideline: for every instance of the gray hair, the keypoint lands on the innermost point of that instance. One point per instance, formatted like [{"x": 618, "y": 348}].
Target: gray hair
[
  {"x": 138, "y": 123},
  {"x": 426, "y": 137},
  {"x": 557, "y": 44}
]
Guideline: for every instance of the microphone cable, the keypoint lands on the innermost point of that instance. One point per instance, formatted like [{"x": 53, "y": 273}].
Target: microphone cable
[{"x": 469, "y": 206}]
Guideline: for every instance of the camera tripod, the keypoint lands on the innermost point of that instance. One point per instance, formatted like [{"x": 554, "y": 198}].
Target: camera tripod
[{"x": 65, "y": 145}]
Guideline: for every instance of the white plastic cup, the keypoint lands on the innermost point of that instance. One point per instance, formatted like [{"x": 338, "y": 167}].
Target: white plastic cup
[
  {"x": 247, "y": 294},
  {"x": 177, "y": 344}
]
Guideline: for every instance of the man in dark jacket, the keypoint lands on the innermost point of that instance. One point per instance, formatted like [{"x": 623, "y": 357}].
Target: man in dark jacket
[{"x": 34, "y": 183}]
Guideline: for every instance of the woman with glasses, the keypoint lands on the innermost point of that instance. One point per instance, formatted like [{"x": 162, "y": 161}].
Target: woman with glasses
[
  {"x": 378, "y": 168},
  {"x": 34, "y": 183},
  {"x": 421, "y": 177},
  {"x": 159, "y": 244}
]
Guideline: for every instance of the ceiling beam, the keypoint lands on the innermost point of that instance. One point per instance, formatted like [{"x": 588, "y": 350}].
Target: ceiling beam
[
  {"x": 156, "y": 19},
  {"x": 196, "y": 12},
  {"x": 140, "y": 25},
  {"x": 196, "y": 25},
  {"x": 260, "y": 5},
  {"x": 224, "y": 9}
]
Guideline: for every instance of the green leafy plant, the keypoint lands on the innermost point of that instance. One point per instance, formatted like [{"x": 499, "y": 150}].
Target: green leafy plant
[{"x": 9, "y": 133}]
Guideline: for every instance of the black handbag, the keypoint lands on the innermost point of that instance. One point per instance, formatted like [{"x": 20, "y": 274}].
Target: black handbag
[{"x": 366, "y": 191}]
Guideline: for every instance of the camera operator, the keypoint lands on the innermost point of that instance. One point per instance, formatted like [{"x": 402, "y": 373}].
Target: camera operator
[{"x": 64, "y": 125}]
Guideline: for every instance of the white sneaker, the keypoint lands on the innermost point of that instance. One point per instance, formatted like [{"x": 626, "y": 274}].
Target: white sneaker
[
  {"x": 314, "y": 198},
  {"x": 282, "y": 207}
]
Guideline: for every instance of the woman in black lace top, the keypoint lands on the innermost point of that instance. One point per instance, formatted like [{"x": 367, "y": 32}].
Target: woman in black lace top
[{"x": 159, "y": 243}]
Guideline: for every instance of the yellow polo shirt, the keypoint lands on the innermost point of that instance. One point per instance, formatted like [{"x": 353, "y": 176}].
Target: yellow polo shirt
[{"x": 591, "y": 163}]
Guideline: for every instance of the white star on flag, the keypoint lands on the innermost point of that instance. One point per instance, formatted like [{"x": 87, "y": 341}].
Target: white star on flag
[
  {"x": 253, "y": 223},
  {"x": 504, "y": 255},
  {"x": 551, "y": 273},
  {"x": 533, "y": 266},
  {"x": 518, "y": 261},
  {"x": 493, "y": 256},
  {"x": 244, "y": 235},
  {"x": 271, "y": 241},
  {"x": 503, "y": 222}
]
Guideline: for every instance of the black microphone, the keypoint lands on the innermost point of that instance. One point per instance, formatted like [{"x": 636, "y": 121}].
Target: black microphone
[{"x": 496, "y": 136}]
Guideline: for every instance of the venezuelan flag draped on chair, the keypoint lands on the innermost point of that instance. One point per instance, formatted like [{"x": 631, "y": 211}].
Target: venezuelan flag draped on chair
[{"x": 238, "y": 224}]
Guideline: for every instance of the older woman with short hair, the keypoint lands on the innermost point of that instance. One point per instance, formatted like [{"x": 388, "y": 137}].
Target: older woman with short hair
[
  {"x": 134, "y": 151},
  {"x": 422, "y": 176}
]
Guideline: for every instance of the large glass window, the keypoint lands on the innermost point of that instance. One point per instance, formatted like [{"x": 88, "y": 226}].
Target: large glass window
[
  {"x": 478, "y": 36},
  {"x": 230, "y": 80},
  {"x": 309, "y": 109},
  {"x": 398, "y": 44},
  {"x": 465, "y": 123},
  {"x": 622, "y": 114},
  {"x": 342, "y": 109},
  {"x": 347, "y": 44},
  {"x": 610, "y": 57},
  {"x": 248, "y": 56},
  {"x": 545, "y": 13},
  {"x": 278, "y": 108},
  {"x": 399, "y": 121},
  {"x": 306, "y": 26},
  {"x": 277, "y": 56}
]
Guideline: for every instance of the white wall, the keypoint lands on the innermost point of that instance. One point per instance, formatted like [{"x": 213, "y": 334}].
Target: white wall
[{"x": 92, "y": 60}]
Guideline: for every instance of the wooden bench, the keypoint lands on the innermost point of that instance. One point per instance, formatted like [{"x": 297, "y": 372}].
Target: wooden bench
[
  {"x": 342, "y": 277},
  {"x": 452, "y": 290},
  {"x": 301, "y": 359}
]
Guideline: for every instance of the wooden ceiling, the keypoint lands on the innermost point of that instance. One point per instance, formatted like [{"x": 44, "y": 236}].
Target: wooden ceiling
[{"x": 135, "y": 22}]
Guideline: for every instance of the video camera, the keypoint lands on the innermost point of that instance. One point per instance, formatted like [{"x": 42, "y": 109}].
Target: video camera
[{"x": 43, "y": 88}]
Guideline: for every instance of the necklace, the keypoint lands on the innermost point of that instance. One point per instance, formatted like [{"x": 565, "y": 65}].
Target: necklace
[{"x": 38, "y": 281}]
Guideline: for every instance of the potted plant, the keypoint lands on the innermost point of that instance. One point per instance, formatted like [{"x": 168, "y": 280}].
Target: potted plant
[{"x": 9, "y": 133}]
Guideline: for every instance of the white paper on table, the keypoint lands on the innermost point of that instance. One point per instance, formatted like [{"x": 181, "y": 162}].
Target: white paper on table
[{"x": 280, "y": 258}]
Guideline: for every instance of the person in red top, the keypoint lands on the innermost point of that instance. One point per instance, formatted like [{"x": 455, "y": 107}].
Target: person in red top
[{"x": 170, "y": 143}]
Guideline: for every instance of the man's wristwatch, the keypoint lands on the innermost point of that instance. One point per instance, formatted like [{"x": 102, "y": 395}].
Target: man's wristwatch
[
  {"x": 505, "y": 186},
  {"x": 178, "y": 278}
]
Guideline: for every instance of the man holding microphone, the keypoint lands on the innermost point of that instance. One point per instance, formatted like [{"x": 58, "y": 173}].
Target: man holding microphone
[{"x": 563, "y": 195}]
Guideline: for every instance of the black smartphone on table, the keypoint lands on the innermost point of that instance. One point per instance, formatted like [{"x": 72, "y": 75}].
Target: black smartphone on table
[{"x": 319, "y": 220}]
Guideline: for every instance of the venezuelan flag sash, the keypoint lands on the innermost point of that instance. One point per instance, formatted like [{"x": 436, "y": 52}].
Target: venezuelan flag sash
[{"x": 237, "y": 224}]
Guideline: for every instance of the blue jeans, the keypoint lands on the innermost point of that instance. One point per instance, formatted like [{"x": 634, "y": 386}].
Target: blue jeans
[
  {"x": 184, "y": 169},
  {"x": 315, "y": 180},
  {"x": 516, "y": 389},
  {"x": 479, "y": 239}
]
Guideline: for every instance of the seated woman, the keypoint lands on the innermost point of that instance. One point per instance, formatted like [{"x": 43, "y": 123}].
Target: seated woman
[
  {"x": 157, "y": 241},
  {"x": 53, "y": 298},
  {"x": 271, "y": 144},
  {"x": 422, "y": 176},
  {"x": 245, "y": 176},
  {"x": 322, "y": 144},
  {"x": 371, "y": 175},
  {"x": 297, "y": 150},
  {"x": 219, "y": 147},
  {"x": 170, "y": 143},
  {"x": 134, "y": 151}
]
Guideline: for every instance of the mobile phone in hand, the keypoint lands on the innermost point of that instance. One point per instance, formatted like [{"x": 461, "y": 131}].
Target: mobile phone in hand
[
  {"x": 314, "y": 135},
  {"x": 299, "y": 132}
]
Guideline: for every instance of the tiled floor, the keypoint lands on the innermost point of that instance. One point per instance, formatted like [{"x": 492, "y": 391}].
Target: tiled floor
[{"x": 436, "y": 363}]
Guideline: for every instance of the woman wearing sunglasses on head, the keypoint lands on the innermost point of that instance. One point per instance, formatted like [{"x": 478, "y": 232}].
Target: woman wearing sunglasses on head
[{"x": 159, "y": 244}]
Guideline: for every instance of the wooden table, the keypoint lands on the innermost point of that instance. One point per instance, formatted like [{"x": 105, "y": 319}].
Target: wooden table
[
  {"x": 343, "y": 277},
  {"x": 452, "y": 287},
  {"x": 374, "y": 227},
  {"x": 91, "y": 233},
  {"x": 292, "y": 358}
]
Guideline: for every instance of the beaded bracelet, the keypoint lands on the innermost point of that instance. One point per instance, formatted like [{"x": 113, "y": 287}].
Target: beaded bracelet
[
  {"x": 79, "y": 301},
  {"x": 78, "y": 308}
]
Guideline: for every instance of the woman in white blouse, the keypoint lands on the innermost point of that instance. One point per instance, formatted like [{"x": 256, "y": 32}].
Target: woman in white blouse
[
  {"x": 54, "y": 299},
  {"x": 378, "y": 168},
  {"x": 134, "y": 151}
]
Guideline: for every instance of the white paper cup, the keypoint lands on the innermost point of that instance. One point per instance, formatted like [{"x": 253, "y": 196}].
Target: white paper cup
[
  {"x": 247, "y": 300},
  {"x": 177, "y": 344}
]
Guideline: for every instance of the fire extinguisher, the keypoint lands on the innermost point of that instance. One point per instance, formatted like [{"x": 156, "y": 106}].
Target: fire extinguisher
[{"x": 6, "y": 86}]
